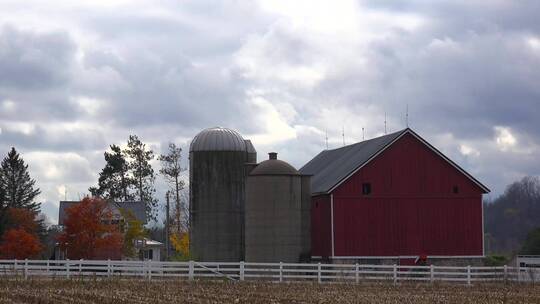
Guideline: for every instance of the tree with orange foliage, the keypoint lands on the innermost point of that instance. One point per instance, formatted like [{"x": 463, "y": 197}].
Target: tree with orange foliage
[
  {"x": 22, "y": 218},
  {"x": 20, "y": 240},
  {"x": 19, "y": 244},
  {"x": 89, "y": 232}
]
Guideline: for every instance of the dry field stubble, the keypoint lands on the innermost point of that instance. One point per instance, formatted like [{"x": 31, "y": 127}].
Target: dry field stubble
[{"x": 169, "y": 291}]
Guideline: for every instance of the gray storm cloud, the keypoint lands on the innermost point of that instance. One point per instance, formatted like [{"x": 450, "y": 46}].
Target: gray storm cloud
[{"x": 74, "y": 79}]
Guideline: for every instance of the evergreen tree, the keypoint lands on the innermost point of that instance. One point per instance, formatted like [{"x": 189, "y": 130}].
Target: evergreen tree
[
  {"x": 142, "y": 173},
  {"x": 19, "y": 189},
  {"x": 3, "y": 212},
  {"x": 171, "y": 169},
  {"x": 114, "y": 182}
]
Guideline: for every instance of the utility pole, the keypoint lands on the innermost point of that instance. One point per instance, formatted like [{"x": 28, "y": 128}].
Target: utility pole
[
  {"x": 178, "y": 215},
  {"x": 167, "y": 225}
]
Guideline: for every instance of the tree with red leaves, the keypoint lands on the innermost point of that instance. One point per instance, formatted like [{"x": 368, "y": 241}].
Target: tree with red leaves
[
  {"x": 89, "y": 231},
  {"x": 19, "y": 244},
  {"x": 22, "y": 218},
  {"x": 20, "y": 240}
]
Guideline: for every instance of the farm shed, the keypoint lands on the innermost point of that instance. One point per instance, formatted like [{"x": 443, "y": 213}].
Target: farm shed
[{"x": 393, "y": 197}]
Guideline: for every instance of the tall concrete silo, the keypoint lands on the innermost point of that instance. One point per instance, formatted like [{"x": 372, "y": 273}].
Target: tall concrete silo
[
  {"x": 217, "y": 158},
  {"x": 278, "y": 207}
]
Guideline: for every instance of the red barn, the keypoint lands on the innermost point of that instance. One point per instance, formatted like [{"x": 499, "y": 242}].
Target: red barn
[{"x": 393, "y": 197}]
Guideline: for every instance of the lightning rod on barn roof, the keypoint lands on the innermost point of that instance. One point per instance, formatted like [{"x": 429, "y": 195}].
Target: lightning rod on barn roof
[
  {"x": 385, "y": 123},
  {"x": 326, "y": 138},
  {"x": 343, "y": 134},
  {"x": 407, "y": 116}
]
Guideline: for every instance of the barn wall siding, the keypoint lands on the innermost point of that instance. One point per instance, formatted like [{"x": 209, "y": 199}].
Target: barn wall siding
[
  {"x": 412, "y": 209},
  {"x": 321, "y": 237},
  {"x": 385, "y": 227}
]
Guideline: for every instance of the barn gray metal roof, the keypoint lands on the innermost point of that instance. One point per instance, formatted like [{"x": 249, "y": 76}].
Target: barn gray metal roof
[
  {"x": 136, "y": 207},
  {"x": 330, "y": 167},
  {"x": 219, "y": 139}
]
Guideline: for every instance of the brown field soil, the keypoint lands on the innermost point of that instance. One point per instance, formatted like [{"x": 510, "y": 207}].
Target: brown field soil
[{"x": 170, "y": 291}]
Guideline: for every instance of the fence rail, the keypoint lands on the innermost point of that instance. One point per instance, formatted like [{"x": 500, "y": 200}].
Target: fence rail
[{"x": 275, "y": 272}]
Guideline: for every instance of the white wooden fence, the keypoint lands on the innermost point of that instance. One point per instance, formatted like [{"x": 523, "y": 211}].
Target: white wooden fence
[{"x": 277, "y": 272}]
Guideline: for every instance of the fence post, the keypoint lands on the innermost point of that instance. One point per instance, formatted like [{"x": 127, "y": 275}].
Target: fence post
[
  {"x": 241, "y": 270},
  {"x": 505, "y": 273},
  {"x": 149, "y": 269},
  {"x": 468, "y": 274},
  {"x": 356, "y": 273},
  {"x": 431, "y": 273},
  {"x": 67, "y": 268},
  {"x": 25, "y": 269},
  {"x": 280, "y": 272},
  {"x": 109, "y": 268},
  {"x": 191, "y": 270},
  {"x": 15, "y": 267},
  {"x": 319, "y": 278},
  {"x": 395, "y": 274},
  {"x": 48, "y": 267},
  {"x": 80, "y": 266}
]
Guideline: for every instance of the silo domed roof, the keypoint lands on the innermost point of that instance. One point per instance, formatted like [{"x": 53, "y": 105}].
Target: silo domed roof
[
  {"x": 274, "y": 166},
  {"x": 218, "y": 139}
]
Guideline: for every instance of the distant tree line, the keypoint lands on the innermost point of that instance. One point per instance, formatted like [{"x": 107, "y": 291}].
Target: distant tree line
[{"x": 512, "y": 220}]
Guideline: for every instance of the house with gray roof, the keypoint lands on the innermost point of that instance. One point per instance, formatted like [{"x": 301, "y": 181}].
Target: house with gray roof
[
  {"x": 137, "y": 208},
  {"x": 147, "y": 249}
]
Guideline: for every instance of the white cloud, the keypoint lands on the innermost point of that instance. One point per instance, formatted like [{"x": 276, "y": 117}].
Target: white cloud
[
  {"x": 468, "y": 150},
  {"x": 62, "y": 190},
  {"x": 25, "y": 128},
  {"x": 90, "y": 106},
  {"x": 534, "y": 43},
  {"x": 445, "y": 45},
  {"x": 504, "y": 138},
  {"x": 275, "y": 127},
  {"x": 320, "y": 16},
  {"x": 8, "y": 106}
]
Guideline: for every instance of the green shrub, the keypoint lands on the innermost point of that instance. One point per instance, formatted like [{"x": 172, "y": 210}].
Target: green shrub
[{"x": 495, "y": 260}]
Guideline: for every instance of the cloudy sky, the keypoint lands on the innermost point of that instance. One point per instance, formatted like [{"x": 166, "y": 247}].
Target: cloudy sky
[{"x": 77, "y": 76}]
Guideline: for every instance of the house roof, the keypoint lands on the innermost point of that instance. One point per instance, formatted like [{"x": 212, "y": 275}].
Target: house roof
[
  {"x": 136, "y": 207},
  {"x": 331, "y": 167}
]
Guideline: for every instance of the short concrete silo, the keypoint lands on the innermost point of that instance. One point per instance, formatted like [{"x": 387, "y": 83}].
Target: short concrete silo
[
  {"x": 277, "y": 213},
  {"x": 217, "y": 158}
]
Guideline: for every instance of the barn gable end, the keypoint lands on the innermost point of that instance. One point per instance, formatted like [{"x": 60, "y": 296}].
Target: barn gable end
[{"x": 330, "y": 168}]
